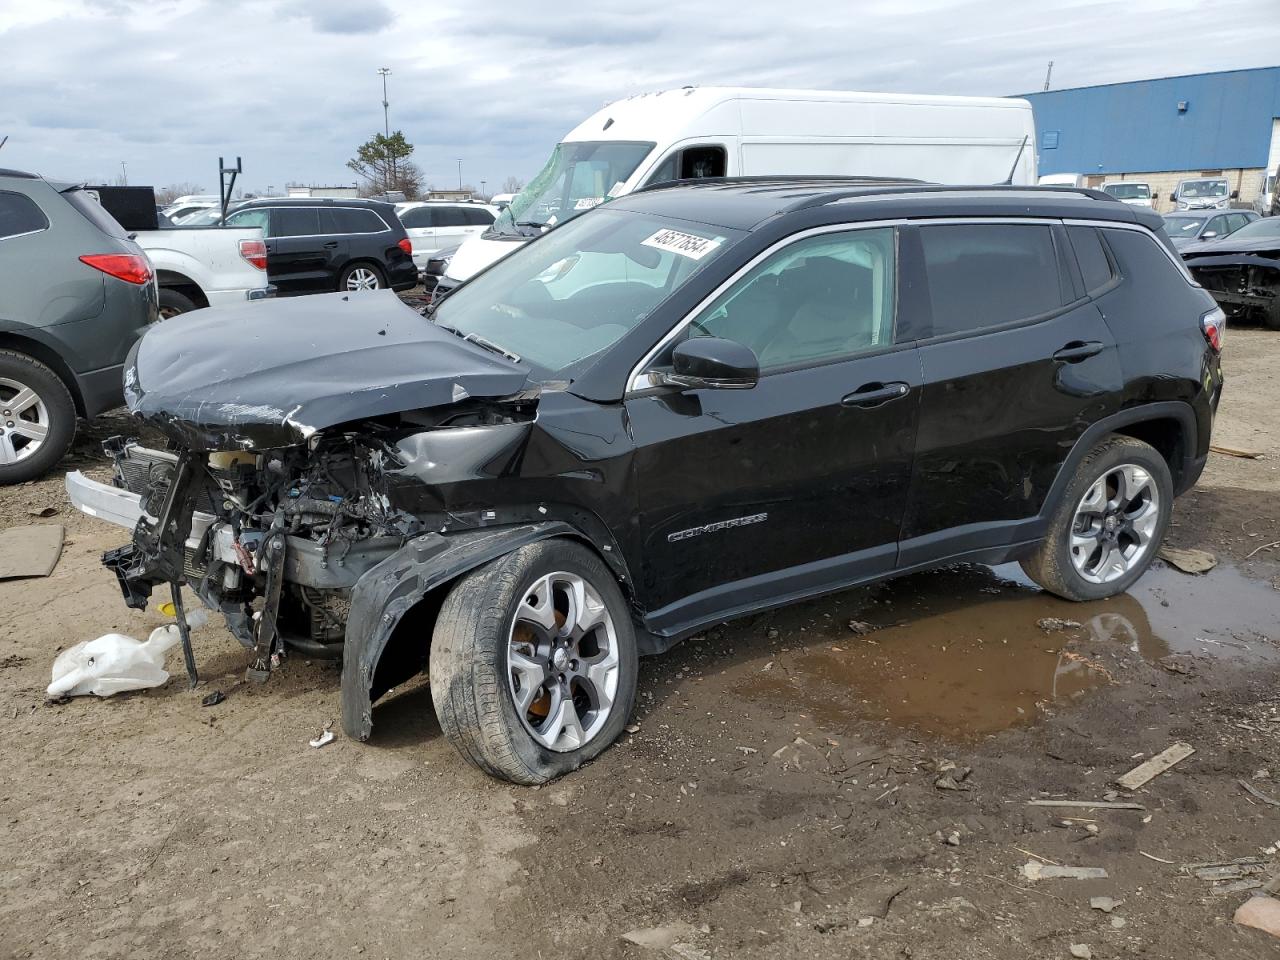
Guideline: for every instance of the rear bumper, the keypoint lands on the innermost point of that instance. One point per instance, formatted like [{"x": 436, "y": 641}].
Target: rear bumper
[{"x": 101, "y": 390}]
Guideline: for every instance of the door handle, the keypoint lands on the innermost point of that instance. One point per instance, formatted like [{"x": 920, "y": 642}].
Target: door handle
[
  {"x": 331, "y": 245},
  {"x": 1078, "y": 350},
  {"x": 874, "y": 394}
]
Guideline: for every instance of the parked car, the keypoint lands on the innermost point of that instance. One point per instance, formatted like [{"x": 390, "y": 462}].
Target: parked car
[
  {"x": 1193, "y": 226},
  {"x": 700, "y": 132},
  {"x": 1131, "y": 191},
  {"x": 185, "y": 206},
  {"x": 1062, "y": 180},
  {"x": 435, "y": 267},
  {"x": 435, "y": 224},
  {"x": 501, "y": 200},
  {"x": 1203, "y": 194},
  {"x": 1242, "y": 270},
  {"x": 75, "y": 293},
  {"x": 194, "y": 268},
  {"x": 317, "y": 245},
  {"x": 1265, "y": 202},
  {"x": 692, "y": 404}
]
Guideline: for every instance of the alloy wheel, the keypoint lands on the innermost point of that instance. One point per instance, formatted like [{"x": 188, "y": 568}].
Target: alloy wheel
[
  {"x": 1115, "y": 524},
  {"x": 562, "y": 660},
  {"x": 24, "y": 421},
  {"x": 362, "y": 278}
]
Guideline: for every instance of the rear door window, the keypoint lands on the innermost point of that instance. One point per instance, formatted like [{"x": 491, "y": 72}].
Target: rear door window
[
  {"x": 248, "y": 218},
  {"x": 295, "y": 222},
  {"x": 450, "y": 217},
  {"x": 1095, "y": 267},
  {"x": 476, "y": 217},
  {"x": 986, "y": 275},
  {"x": 19, "y": 214}
]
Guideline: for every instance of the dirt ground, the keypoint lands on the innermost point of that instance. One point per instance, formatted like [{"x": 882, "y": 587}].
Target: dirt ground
[{"x": 843, "y": 778}]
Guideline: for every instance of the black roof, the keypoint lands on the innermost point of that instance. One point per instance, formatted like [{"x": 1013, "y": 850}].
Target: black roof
[
  {"x": 742, "y": 203},
  {"x": 325, "y": 201}
]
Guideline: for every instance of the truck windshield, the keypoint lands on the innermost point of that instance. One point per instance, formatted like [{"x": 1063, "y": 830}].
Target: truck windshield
[
  {"x": 1203, "y": 188},
  {"x": 582, "y": 287},
  {"x": 1128, "y": 191},
  {"x": 578, "y": 176}
]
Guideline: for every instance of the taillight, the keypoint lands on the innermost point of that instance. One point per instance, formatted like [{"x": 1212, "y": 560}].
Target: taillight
[
  {"x": 405, "y": 244},
  {"x": 129, "y": 267},
  {"x": 254, "y": 252},
  {"x": 1214, "y": 326}
]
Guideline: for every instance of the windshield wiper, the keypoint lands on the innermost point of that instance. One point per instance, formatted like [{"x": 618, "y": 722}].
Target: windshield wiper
[{"x": 480, "y": 341}]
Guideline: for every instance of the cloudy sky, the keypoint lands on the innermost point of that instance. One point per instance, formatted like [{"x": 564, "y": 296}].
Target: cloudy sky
[{"x": 167, "y": 86}]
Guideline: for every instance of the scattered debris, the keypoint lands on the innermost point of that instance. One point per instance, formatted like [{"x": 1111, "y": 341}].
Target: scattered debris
[
  {"x": 112, "y": 664},
  {"x": 213, "y": 699},
  {"x": 1240, "y": 452},
  {"x": 30, "y": 551},
  {"x": 1261, "y": 913},
  {"x": 1050, "y": 624},
  {"x": 746, "y": 751},
  {"x": 632, "y": 728},
  {"x": 1099, "y": 804},
  {"x": 320, "y": 741},
  {"x": 1226, "y": 869},
  {"x": 797, "y": 752},
  {"x": 1081, "y": 951},
  {"x": 1034, "y": 870},
  {"x": 1152, "y": 856},
  {"x": 1188, "y": 560},
  {"x": 1265, "y": 546},
  {"x": 952, "y": 839},
  {"x": 1105, "y": 904},
  {"x": 43, "y": 514},
  {"x": 1258, "y": 794},
  {"x": 860, "y": 627},
  {"x": 1174, "y": 664},
  {"x": 1150, "y": 769},
  {"x": 660, "y": 938}
]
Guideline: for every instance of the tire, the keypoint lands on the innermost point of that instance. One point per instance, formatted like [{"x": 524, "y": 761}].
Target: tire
[
  {"x": 360, "y": 272},
  {"x": 1271, "y": 315},
  {"x": 173, "y": 303},
  {"x": 43, "y": 400},
  {"x": 1138, "y": 526},
  {"x": 484, "y": 622}
]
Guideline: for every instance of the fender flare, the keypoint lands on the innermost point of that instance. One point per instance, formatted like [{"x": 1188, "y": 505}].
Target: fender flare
[{"x": 385, "y": 593}]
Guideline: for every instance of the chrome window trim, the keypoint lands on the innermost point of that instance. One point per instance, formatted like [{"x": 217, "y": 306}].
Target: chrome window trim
[
  {"x": 638, "y": 381},
  {"x": 1176, "y": 260}
]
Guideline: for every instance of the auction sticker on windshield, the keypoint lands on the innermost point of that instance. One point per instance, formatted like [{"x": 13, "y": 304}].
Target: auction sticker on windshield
[
  {"x": 686, "y": 244},
  {"x": 586, "y": 203}
]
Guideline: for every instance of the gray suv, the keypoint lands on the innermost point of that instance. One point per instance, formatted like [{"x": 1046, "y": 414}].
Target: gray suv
[{"x": 75, "y": 293}]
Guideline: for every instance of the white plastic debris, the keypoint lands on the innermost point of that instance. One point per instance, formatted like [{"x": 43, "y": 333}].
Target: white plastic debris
[
  {"x": 320, "y": 741},
  {"x": 113, "y": 664}
]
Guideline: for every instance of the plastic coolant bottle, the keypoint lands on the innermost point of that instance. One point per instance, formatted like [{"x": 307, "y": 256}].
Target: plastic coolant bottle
[{"x": 113, "y": 664}]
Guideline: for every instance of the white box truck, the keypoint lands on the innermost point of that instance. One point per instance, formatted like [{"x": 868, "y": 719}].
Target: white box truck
[{"x": 738, "y": 131}]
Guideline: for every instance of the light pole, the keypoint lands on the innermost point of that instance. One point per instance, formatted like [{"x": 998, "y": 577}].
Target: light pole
[
  {"x": 384, "y": 72},
  {"x": 459, "y": 174},
  {"x": 484, "y": 194},
  {"x": 124, "y": 174}
]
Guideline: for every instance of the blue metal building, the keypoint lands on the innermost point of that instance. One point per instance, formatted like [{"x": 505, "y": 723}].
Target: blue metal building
[{"x": 1202, "y": 122}]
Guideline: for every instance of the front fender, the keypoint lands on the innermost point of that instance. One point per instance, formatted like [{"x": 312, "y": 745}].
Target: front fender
[{"x": 386, "y": 592}]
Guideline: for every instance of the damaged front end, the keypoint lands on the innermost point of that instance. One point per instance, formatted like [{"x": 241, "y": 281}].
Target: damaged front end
[
  {"x": 272, "y": 511},
  {"x": 1245, "y": 285}
]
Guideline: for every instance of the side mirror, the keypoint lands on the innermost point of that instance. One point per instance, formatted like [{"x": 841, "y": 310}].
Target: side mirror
[
  {"x": 1235, "y": 194},
  {"x": 1155, "y": 196},
  {"x": 1208, "y": 234},
  {"x": 711, "y": 363}
]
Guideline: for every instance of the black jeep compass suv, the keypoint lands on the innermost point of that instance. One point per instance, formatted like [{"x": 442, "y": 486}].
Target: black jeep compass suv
[{"x": 690, "y": 404}]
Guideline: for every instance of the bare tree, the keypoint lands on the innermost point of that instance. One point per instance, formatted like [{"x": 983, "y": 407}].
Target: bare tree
[{"x": 512, "y": 185}]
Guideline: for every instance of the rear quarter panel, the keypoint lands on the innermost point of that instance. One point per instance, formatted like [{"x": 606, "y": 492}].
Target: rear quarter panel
[{"x": 208, "y": 256}]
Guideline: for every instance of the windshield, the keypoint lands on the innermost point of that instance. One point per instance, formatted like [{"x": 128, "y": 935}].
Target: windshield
[
  {"x": 1128, "y": 191},
  {"x": 1263, "y": 229},
  {"x": 1202, "y": 188},
  {"x": 582, "y": 287},
  {"x": 205, "y": 218},
  {"x": 1182, "y": 226},
  {"x": 578, "y": 177}
]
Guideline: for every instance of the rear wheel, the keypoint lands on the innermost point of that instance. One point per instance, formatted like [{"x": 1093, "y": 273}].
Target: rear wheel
[
  {"x": 361, "y": 276},
  {"x": 533, "y": 662},
  {"x": 1109, "y": 525},
  {"x": 37, "y": 418},
  {"x": 1271, "y": 316},
  {"x": 173, "y": 303}
]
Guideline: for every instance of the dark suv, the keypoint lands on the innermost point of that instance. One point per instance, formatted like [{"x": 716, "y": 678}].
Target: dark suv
[
  {"x": 691, "y": 404},
  {"x": 318, "y": 245},
  {"x": 75, "y": 293}
]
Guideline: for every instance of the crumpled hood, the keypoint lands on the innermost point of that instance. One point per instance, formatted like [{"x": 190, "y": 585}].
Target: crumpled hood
[
  {"x": 1228, "y": 245},
  {"x": 270, "y": 374}
]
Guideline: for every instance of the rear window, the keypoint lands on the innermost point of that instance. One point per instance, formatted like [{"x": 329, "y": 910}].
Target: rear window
[
  {"x": 418, "y": 217},
  {"x": 1094, "y": 265},
  {"x": 94, "y": 212},
  {"x": 19, "y": 214},
  {"x": 985, "y": 275},
  {"x": 350, "y": 220},
  {"x": 477, "y": 217},
  {"x": 451, "y": 217}
]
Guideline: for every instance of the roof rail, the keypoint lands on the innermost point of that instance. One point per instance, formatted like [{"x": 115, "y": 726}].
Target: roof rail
[
  {"x": 918, "y": 187},
  {"x": 779, "y": 179}
]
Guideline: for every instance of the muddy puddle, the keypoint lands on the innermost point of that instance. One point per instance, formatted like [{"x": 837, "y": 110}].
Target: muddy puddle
[{"x": 971, "y": 650}]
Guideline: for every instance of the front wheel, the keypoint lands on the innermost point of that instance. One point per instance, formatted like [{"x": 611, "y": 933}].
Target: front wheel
[
  {"x": 37, "y": 418},
  {"x": 533, "y": 662},
  {"x": 1109, "y": 525}
]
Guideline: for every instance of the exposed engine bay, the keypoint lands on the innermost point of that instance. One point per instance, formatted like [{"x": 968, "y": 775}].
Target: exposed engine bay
[{"x": 1246, "y": 285}]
